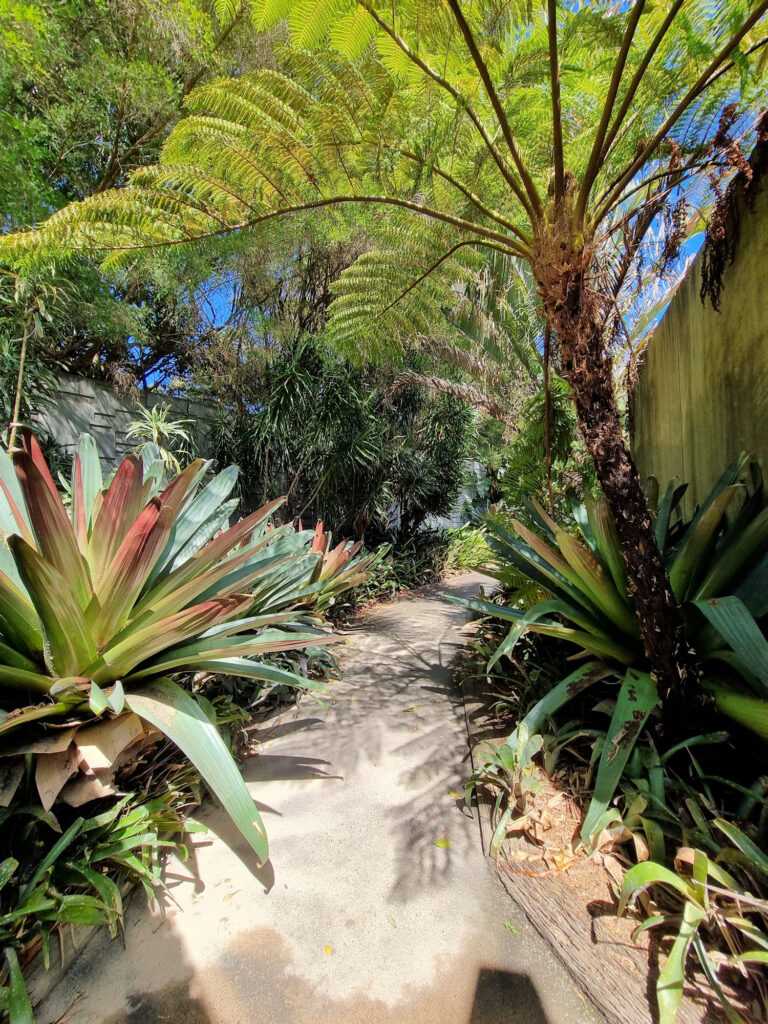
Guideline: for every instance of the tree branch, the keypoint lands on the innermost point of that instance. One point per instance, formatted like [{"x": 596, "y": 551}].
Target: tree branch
[
  {"x": 108, "y": 178},
  {"x": 557, "y": 112}
]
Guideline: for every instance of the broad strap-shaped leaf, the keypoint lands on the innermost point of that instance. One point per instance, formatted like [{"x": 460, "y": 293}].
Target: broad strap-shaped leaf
[
  {"x": 12, "y": 677},
  {"x": 672, "y": 497},
  {"x": 749, "y": 543},
  {"x": 182, "y": 488},
  {"x": 669, "y": 987},
  {"x": 218, "y": 520},
  {"x": 168, "y": 708},
  {"x": 30, "y": 446},
  {"x": 740, "y": 631},
  {"x": 531, "y": 619},
  {"x": 19, "y": 618},
  {"x": 34, "y": 713},
  {"x": 67, "y": 641},
  {"x": 596, "y": 584},
  {"x": 750, "y": 712},
  {"x": 14, "y": 517},
  {"x": 10, "y": 656},
  {"x": 119, "y": 659},
  {"x": 52, "y": 528},
  {"x": 198, "y": 511},
  {"x": 591, "y": 638},
  {"x": 87, "y": 482},
  {"x": 645, "y": 874},
  {"x": 121, "y": 584},
  {"x": 753, "y": 589},
  {"x": 192, "y": 655},
  {"x": 637, "y": 698},
  {"x": 208, "y": 556},
  {"x": 689, "y": 560},
  {"x": 231, "y": 576},
  {"x": 248, "y": 669},
  {"x": 19, "y": 1005},
  {"x": 607, "y": 542},
  {"x": 119, "y": 508},
  {"x": 559, "y": 576},
  {"x": 577, "y": 682}
]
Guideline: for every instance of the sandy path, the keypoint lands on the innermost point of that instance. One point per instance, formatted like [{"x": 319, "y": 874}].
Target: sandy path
[{"x": 359, "y": 918}]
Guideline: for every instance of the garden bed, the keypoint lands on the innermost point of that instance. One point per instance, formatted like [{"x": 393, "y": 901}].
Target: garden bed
[{"x": 571, "y": 902}]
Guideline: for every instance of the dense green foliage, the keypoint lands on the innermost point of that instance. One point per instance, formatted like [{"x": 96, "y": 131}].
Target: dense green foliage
[
  {"x": 569, "y": 584},
  {"x": 344, "y": 450},
  {"x": 411, "y": 562},
  {"x": 88, "y": 92}
]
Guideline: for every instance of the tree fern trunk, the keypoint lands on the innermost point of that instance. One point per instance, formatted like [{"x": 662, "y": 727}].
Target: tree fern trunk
[{"x": 572, "y": 314}]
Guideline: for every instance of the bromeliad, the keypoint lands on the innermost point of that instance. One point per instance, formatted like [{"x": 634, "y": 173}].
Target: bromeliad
[{"x": 100, "y": 606}]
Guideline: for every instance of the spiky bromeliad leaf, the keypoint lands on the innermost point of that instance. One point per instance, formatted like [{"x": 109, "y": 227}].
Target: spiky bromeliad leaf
[
  {"x": 166, "y": 706},
  {"x": 636, "y": 700},
  {"x": 164, "y": 590}
]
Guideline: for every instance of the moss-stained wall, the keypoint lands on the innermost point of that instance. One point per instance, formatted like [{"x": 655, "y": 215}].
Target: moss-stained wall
[{"x": 702, "y": 392}]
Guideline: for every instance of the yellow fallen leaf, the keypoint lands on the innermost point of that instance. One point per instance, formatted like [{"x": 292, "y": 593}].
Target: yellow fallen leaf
[
  {"x": 455, "y": 795},
  {"x": 328, "y": 950},
  {"x": 443, "y": 843}
]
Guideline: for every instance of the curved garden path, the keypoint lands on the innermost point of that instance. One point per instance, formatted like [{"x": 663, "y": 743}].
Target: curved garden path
[{"x": 360, "y": 918}]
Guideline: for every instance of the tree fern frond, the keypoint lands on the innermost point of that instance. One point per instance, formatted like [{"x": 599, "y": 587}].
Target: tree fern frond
[
  {"x": 352, "y": 33},
  {"x": 267, "y": 13}
]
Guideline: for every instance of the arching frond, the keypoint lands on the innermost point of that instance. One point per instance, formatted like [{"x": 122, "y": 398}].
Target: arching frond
[{"x": 440, "y": 114}]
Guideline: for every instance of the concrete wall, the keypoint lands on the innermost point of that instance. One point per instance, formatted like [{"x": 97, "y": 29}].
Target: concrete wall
[
  {"x": 475, "y": 472},
  {"x": 702, "y": 392},
  {"x": 89, "y": 406}
]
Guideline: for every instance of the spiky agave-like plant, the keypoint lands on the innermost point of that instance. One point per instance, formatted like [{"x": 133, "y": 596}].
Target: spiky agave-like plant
[{"x": 98, "y": 610}]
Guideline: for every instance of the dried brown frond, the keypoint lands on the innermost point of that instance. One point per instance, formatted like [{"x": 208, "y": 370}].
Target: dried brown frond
[{"x": 725, "y": 226}]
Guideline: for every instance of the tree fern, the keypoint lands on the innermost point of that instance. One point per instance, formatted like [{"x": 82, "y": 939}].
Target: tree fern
[{"x": 555, "y": 132}]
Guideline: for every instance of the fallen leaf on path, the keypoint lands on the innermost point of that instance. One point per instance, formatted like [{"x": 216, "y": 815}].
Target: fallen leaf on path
[
  {"x": 328, "y": 950},
  {"x": 392, "y": 920},
  {"x": 443, "y": 843},
  {"x": 455, "y": 795}
]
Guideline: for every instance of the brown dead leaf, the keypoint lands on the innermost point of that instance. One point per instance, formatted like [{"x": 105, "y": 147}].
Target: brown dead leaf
[
  {"x": 87, "y": 787},
  {"x": 614, "y": 868},
  {"x": 641, "y": 847},
  {"x": 52, "y": 743},
  {"x": 11, "y": 774},
  {"x": 99, "y": 745},
  {"x": 52, "y": 772}
]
